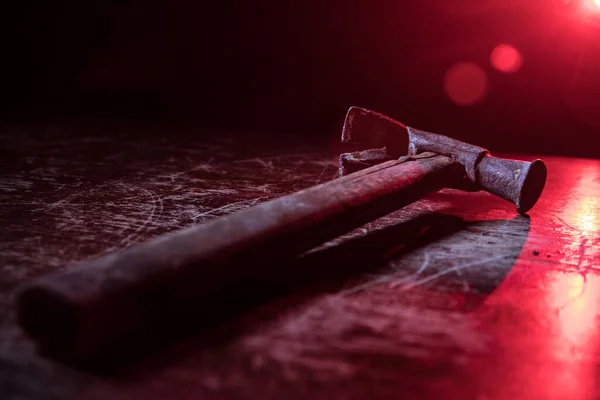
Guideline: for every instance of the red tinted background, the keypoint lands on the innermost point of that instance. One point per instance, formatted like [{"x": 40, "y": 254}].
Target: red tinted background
[{"x": 297, "y": 66}]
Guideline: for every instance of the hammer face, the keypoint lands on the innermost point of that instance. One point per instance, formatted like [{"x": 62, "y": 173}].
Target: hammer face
[
  {"x": 519, "y": 182},
  {"x": 533, "y": 186}
]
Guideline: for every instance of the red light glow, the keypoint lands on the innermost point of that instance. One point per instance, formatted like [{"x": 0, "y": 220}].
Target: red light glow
[
  {"x": 591, "y": 5},
  {"x": 506, "y": 58},
  {"x": 465, "y": 83}
]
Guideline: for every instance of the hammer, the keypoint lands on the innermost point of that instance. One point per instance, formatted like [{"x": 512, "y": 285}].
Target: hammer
[{"x": 79, "y": 312}]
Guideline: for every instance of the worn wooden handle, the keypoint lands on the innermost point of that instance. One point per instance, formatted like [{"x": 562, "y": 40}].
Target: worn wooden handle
[{"x": 83, "y": 309}]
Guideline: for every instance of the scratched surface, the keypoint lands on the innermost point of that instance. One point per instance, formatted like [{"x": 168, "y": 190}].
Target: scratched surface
[{"x": 453, "y": 297}]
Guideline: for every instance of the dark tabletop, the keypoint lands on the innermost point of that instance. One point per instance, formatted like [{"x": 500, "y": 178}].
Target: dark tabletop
[{"x": 456, "y": 296}]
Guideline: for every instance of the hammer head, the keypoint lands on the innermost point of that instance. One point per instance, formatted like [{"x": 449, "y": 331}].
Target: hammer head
[{"x": 383, "y": 139}]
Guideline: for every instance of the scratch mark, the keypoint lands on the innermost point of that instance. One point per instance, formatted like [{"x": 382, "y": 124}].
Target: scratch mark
[
  {"x": 318, "y": 180},
  {"x": 70, "y": 198},
  {"x": 156, "y": 203},
  {"x": 388, "y": 278},
  {"x": 466, "y": 286},
  {"x": 421, "y": 269},
  {"x": 567, "y": 224},
  {"x": 249, "y": 202},
  {"x": 21, "y": 203},
  {"x": 453, "y": 269},
  {"x": 131, "y": 238},
  {"x": 205, "y": 167},
  {"x": 423, "y": 265},
  {"x": 264, "y": 163}
]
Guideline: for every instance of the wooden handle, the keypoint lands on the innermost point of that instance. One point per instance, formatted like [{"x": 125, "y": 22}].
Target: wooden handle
[{"x": 83, "y": 309}]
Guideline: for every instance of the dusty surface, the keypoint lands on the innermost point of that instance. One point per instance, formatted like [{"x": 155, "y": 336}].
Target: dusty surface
[{"x": 461, "y": 298}]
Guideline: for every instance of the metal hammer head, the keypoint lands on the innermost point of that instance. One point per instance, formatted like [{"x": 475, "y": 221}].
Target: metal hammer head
[{"x": 519, "y": 182}]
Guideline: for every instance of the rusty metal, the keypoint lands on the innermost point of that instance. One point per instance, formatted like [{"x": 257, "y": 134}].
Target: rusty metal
[
  {"x": 82, "y": 310},
  {"x": 519, "y": 182}
]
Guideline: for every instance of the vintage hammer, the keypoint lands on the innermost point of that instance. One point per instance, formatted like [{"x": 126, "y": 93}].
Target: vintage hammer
[{"x": 80, "y": 311}]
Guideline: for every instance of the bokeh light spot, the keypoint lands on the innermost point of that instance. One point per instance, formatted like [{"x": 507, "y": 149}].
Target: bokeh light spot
[
  {"x": 506, "y": 58},
  {"x": 465, "y": 83},
  {"x": 597, "y": 3}
]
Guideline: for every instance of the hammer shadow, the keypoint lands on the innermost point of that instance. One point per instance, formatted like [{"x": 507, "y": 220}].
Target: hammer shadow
[
  {"x": 454, "y": 248},
  {"x": 334, "y": 266}
]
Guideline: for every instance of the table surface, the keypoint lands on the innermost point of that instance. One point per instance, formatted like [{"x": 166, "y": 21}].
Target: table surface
[{"x": 456, "y": 296}]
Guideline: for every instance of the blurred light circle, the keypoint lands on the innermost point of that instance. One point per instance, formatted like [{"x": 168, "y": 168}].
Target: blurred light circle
[
  {"x": 506, "y": 58},
  {"x": 465, "y": 83},
  {"x": 597, "y": 3}
]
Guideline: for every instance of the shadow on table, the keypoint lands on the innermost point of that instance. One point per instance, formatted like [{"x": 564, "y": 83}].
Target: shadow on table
[{"x": 329, "y": 269}]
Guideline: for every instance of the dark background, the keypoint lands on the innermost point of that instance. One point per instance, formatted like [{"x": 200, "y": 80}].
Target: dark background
[{"x": 272, "y": 65}]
